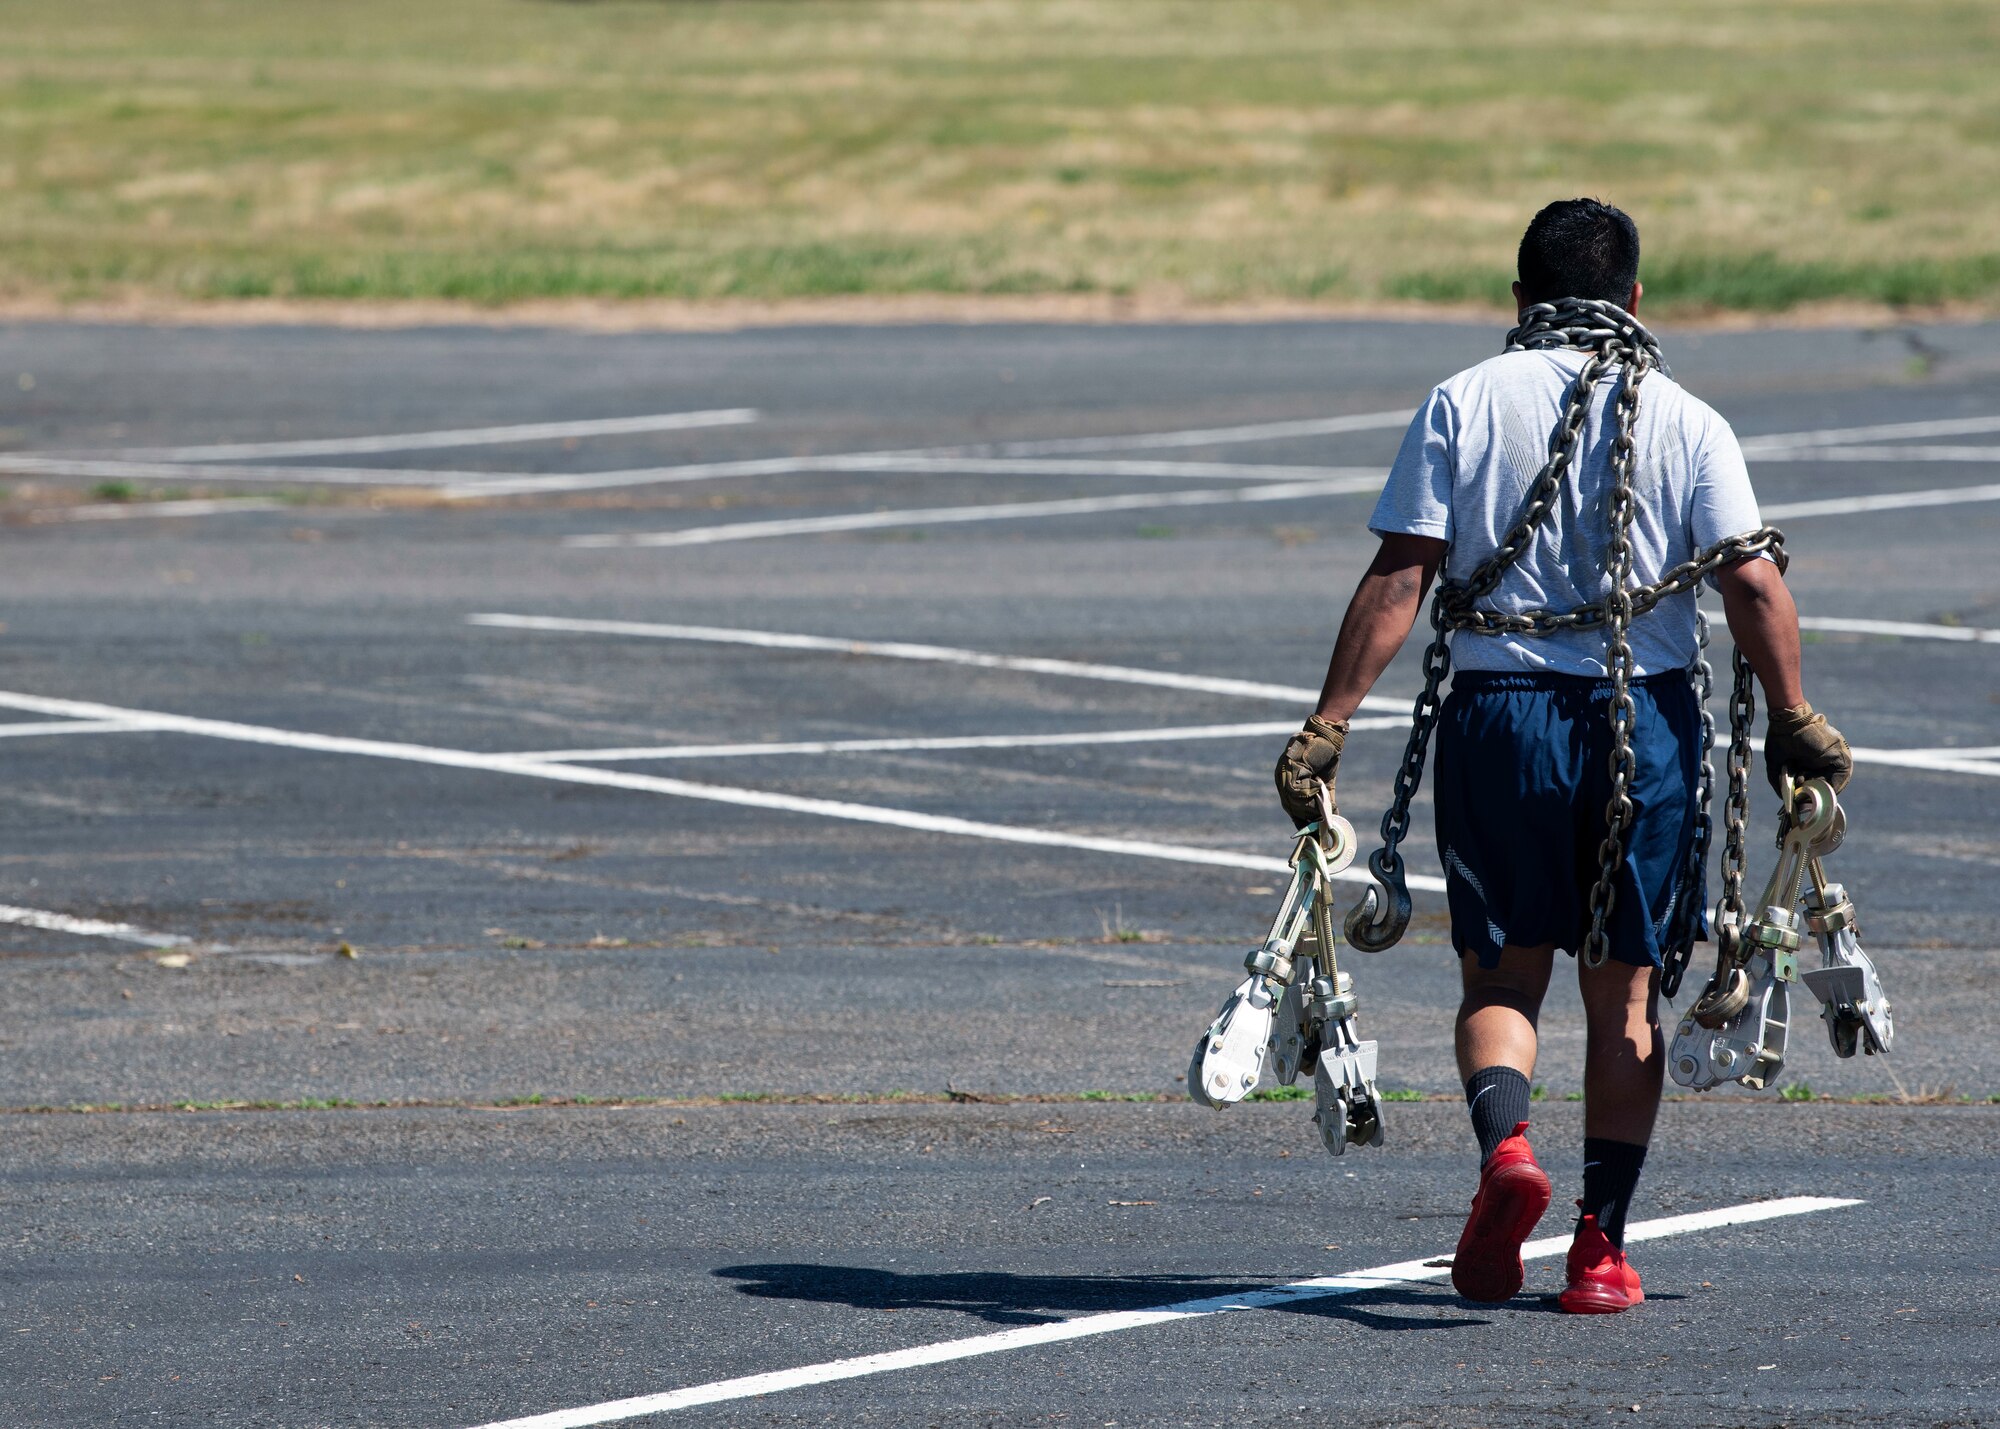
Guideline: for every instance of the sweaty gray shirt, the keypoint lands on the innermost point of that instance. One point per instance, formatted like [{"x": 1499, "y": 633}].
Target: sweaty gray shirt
[{"x": 1477, "y": 444}]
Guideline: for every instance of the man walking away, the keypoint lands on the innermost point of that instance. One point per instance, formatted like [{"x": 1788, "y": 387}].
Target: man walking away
[{"x": 1524, "y": 740}]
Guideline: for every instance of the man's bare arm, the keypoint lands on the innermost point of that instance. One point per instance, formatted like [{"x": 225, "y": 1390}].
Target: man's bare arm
[
  {"x": 1378, "y": 620},
  {"x": 1765, "y": 625}
]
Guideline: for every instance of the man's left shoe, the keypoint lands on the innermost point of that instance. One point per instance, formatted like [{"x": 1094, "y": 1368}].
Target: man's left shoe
[{"x": 1601, "y": 1280}]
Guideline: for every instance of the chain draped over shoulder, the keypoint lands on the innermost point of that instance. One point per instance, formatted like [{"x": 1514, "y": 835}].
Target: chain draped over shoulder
[{"x": 1618, "y": 344}]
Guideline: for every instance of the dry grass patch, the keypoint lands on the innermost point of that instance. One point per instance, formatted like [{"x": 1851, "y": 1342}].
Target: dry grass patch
[{"x": 502, "y": 151}]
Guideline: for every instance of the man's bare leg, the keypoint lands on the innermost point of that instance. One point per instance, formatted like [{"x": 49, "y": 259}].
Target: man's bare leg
[
  {"x": 1496, "y": 1056},
  {"x": 1497, "y": 1016},
  {"x": 1625, "y": 1055},
  {"x": 1501, "y": 1008},
  {"x": 1624, "y": 1058}
]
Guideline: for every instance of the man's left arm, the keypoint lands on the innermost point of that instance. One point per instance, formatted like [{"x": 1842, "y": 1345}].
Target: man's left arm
[
  {"x": 1763, "y": 621},
  {"x": 1378, "y": 621},
  {"x": 1798, "y": 741}
]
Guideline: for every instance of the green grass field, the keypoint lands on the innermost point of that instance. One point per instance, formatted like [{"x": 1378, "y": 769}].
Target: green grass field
[{"x": 1187, "y": 151}]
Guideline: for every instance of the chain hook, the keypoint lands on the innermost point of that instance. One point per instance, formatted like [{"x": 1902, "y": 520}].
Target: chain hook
[{"x": 1377, "y": 922}]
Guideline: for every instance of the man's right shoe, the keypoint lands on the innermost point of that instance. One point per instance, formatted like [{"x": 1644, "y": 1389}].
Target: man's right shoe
[
  {"x": 1601, "y": 1280},
  {"x": 1513, "y": 1193}
]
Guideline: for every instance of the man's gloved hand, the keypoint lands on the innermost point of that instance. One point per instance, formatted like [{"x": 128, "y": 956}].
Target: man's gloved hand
[
  {"x": 1308, "y": 761},
  {"x": 1803, "y": 745}
]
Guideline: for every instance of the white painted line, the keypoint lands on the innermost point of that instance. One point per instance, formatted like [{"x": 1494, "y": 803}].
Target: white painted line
[
  {"x": 1886, "y": 501},
  {"x": 26, "y": 729},
  {"x": 1120, "y": 674},
  {"x": 1764, "y": 446},
  {"x": 678, "y": 788},
  {"x": 1066, "y": 466},
  {"x": 112, "y": 469},
  {"x": 864, "y": 461},
  {"x": 1904, "y": 629},
  {"x": 950, "y": 515},
  {"x": 1882, "y": 454},
  {"x": 1203, "y": 436},
  {"x": 145, "y": 510},
  {"x": 86, "y": 927},
  {"x": 461, "y": 437},
  {"x": 672, "y": 421},
  {"x": 490, "y": 484},
  {"x": 1941, "y": 760},
  {"x": 940, "y": 654},
  {"x": 1407, "y": 1272},
  {"x": 476, "y": 485},
  {"x": 946, "y": 742},
  {"x": 1936, "y": 761}
]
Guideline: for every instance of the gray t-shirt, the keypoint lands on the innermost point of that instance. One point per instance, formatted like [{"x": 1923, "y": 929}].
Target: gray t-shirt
[{"x": 1477, "y": 444}]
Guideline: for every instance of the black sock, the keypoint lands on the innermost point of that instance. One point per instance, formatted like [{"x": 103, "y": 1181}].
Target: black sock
[
  {"x": 1497, "y": 1097},
  {"x": 1610, "y": 1176}
]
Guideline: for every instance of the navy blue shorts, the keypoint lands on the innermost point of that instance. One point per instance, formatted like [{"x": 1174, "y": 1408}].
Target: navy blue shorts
[{"x": 1523, "y": 774}]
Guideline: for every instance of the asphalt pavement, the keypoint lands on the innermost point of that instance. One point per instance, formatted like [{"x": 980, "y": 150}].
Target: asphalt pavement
[{"x": 293, "y": 835}]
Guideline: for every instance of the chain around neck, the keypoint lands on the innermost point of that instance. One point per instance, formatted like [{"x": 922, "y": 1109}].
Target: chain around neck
[{"x": 1585, "y": 325}]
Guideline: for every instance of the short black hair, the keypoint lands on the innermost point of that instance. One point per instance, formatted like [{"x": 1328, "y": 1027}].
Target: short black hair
[{"x": 1579, "y": 248}]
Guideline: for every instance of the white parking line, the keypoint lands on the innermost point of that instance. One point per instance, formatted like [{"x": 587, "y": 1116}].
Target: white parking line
[
  {"x": 1885, "y": 501},
  {"x": 1942, "y": 759},
  {"x": 952, "y": 515},
  {"x": 1905, "y": 629},
  {"x": 147, "y": 510},
  {"x": 1355, "y": 1282},
  {"x": 184, "y": 463},
  {"x": 1941, "y": 762},
  {"x": 86, "y": 927},
  {"x": 1366, "y": 481},
  {"x": 460, "y": 437},
  {"x": 1073, "y": 466},
  {"x": 939, "y": 654},
  {"x": 1936, "y": 761},
  {"x": 24, "y": 729},
  {"x": 945, "y": 742},
  {"x": 678, "y": 788},
  {"x": 491, "y": 485},
  {"x": 940, "y": 465},
  {"x": 1882, "y": 454},
  {"x": 867, "y": 461},
  {"x": 1205, "y": 436},
  {"x": 117, "y": 469},
  {"x": 1847, "y": 436}
]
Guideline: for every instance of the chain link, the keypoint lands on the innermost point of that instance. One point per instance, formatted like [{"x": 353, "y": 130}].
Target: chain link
[{"x": 1614, "y": 339}]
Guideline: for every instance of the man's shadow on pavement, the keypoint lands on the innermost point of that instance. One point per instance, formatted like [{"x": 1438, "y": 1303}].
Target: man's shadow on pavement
[{"x": 1001, "y": 1298}]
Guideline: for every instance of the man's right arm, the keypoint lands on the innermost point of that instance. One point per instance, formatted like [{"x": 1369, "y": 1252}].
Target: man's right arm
[
  {"x": 1378, "y": 621},
  {"x": 1764, "y": 622},
  {"x": 1413, "y": 518}
]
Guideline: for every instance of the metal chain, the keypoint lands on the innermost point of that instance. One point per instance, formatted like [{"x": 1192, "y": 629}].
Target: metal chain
[
  {"x": 1614, "y": 338},
  {"x": 1742, "y": 713},
  {"x": 1674, "y": 966},
  {"x": 1618, "y": 657},
  {"x": 1378, "y": 920}
]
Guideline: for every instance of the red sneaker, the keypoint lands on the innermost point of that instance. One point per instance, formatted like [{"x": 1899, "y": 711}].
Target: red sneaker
[
  {"x": 1601, "y": 1280},
  {"x": 1513, "y": 1193}
]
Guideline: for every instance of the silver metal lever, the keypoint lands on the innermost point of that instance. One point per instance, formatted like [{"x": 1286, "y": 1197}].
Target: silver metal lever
[{"x": 1229, "y": 1059}]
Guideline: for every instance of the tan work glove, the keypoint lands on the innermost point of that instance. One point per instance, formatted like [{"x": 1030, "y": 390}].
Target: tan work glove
[
  {"x": 1308, "y": 761},
  {"x": 1803, "y": 745}
]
